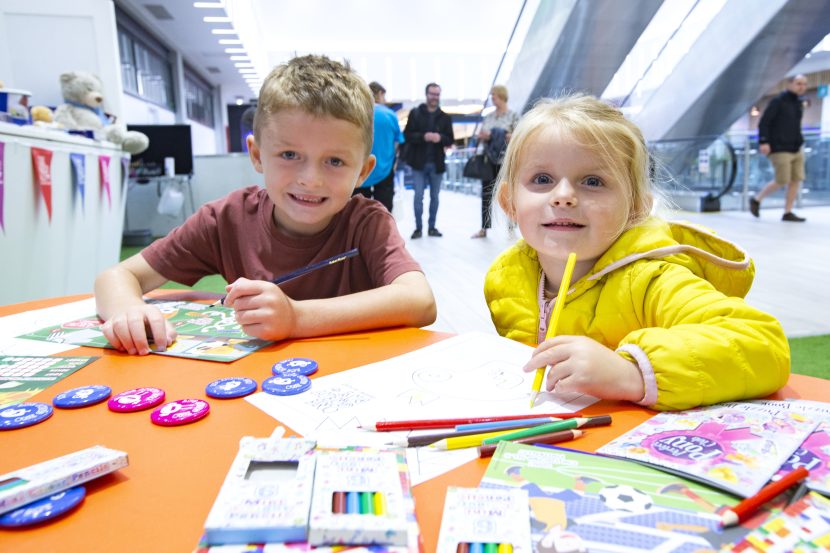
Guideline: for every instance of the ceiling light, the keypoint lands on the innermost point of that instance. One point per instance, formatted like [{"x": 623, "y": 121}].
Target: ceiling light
[
  {"x": 235, "y": 50},
  {"x": 240, "y": 58},
  {"x": 229, "y": 41},
  {"x": 223, "y": 31},
  {"x": 247, "y": 71},
  {"x": 209, "y": 5},
  {"x": 239, "y": 100},
  {"x": 216, "y": 19},
  {"x": 243, "y": 64}
]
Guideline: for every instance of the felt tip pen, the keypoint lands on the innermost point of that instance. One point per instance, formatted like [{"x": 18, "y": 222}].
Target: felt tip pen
[
  {"x": 554, "y": 320},
  {"x": 749, "y": 506},
  {"x": 430, "y": 424}
]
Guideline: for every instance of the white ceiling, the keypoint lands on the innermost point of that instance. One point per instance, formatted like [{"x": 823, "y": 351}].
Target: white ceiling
[{"x": 403, "y": 45}]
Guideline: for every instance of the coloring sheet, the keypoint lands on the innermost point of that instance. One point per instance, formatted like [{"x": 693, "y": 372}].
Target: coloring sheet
[
  {"x": 30, "y": 321},
  {"x": 470, "y": 375}
]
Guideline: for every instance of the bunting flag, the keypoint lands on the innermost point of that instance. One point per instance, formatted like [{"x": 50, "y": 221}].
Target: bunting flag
[
  {"x": 2, "y": 157},
  {"x": 79, "y": 176},
  {"x": 104, "y": 165},
  {"x": 42, "y": 163}
]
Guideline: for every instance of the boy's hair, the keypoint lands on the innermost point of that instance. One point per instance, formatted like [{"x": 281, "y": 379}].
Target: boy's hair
[
  {"x": 499, "y": 90},
  {"x": 319, "y": 86},
  {"x": 597, "y": 126}
]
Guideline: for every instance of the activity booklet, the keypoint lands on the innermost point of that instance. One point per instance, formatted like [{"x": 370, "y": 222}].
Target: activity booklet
[
  {"x": 736, "y": 446},
  {"x": 814, "y": 453},
  {"x": 207, "y": 332},
  {"x": 584, "y": 502},
  {"x": 22, "y": 376}
]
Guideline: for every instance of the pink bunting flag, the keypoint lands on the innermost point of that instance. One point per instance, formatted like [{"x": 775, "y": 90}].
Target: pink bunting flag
[
  {"x": 42, "y": 164},
  {"x": 104, "y": 165},
  {"x": 2, "y": 157}
]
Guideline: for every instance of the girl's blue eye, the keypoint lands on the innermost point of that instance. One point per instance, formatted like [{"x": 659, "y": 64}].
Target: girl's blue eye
[
  {"x": 593, "y": 181},
  {"x": 289, "y": 155},
  {"x": 542, "y": 179}
]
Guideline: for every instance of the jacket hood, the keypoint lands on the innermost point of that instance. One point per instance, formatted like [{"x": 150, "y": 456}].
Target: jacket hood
[{"x": 724, "y": 264}]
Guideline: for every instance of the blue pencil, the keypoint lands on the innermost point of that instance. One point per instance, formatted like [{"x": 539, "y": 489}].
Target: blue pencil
[
  {"x": 309, "y": 268},
  {"x": 496, "y": 425}
]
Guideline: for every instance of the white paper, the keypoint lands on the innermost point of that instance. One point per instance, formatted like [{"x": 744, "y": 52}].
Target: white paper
[
  {"x": 470, "y": 375},
  {"x": 31, "y": 321}
]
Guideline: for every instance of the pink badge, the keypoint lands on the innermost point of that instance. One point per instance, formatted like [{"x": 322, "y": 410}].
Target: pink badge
[
  {"x": 181, "y": 411},
  {"x": 135, "y": 400}
]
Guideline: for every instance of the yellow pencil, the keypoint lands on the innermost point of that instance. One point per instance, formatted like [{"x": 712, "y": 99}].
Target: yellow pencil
[
  {"x": 554, "y": 320},
  {"x": 473, "y": 440}
]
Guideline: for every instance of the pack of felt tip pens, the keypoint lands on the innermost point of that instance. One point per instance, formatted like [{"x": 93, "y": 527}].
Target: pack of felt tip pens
[
  {"x": 361, "y": 497},
  {"x": 485, "y": 519}
]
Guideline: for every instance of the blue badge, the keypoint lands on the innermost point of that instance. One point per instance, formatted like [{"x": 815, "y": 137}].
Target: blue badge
[
  {"x": 24, "y": 414},
  {"x": 81, "y": 397},
  {"x": 44, "y": 509},
  {"x": 226, "y": 388},
  {"x": 286, "y": 384},
  {"x": 296, "y": 365}
]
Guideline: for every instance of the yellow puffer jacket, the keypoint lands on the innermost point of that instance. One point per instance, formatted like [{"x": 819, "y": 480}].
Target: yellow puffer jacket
[{"x": 672, "y": 290}]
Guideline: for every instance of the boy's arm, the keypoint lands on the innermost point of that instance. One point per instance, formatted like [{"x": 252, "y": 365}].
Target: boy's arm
[
  {"x": 118, "y": 298},
  {"x": 406, "y": 301}
]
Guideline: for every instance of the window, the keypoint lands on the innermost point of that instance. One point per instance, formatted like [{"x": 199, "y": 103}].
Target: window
[
  {"x": 198, "y": 96},
  {"x": 145, "y": 69}
]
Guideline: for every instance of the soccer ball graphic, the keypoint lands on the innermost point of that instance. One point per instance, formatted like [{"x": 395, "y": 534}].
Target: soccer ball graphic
[{"x": 625, "y": 498}]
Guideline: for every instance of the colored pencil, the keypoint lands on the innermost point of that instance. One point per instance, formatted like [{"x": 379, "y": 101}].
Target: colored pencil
[
  {"x": 554, "y": 320},
  {"x": 551, "y": 427},
  {"x": 309, "y": 268},
  {"x": 497, "y": 425},
  {"x": 427, "y": 439},
  {"x": 748, "y": 507},
  {"x": 543, "y": 439},
  {"x": 473, "y": 440},
  {"x": 427, "y": 424}
]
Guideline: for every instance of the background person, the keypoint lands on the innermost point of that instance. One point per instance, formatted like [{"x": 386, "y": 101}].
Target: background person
[
  {"x": 493, "y": 138},
  {"x": 428, "y": 131},
  {"x": 780, "y": 139},
  {"x": 380, "y": 184}
]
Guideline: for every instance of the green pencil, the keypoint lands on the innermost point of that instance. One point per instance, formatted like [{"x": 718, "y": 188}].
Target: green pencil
[{"x": 566, "y": 424}]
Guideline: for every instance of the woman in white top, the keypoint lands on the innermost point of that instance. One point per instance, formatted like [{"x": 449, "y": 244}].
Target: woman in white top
[{"x": 494, "y": 143}]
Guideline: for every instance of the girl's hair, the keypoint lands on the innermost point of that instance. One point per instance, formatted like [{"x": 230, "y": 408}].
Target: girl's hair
[
  {"x": 319, "y": 86},
  {"x": 592, "y": 124},
  {"x": 500, "y": 90}
]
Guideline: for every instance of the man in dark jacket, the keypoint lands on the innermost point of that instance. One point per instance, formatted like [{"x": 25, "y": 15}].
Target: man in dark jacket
[
  {"x": 428, "y": 131},
  {"x": 779, "y": 138}
]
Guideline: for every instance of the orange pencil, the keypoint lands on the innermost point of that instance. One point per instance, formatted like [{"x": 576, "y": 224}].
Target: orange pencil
[{"x": 750, "y": 505}]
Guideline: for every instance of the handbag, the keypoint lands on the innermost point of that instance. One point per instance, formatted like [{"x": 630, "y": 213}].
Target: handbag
[{"x": 479, "y": 167}]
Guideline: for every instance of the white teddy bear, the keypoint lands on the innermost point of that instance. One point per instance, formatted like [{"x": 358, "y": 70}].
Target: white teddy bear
[{"x": 82, "y": 111}]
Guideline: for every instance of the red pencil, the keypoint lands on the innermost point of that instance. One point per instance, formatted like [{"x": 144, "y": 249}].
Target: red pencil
[
  {"x": 750, "y": 505},
  {"x": 551, "y": 438},
  {"x": 388, "y": 426}
]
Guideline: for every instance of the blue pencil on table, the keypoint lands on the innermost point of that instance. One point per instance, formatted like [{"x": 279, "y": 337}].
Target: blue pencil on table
[{"x": 309, "y": 268}]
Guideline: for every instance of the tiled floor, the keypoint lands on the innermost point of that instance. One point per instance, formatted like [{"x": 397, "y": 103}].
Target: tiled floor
[{"x": 792, "y": 261}]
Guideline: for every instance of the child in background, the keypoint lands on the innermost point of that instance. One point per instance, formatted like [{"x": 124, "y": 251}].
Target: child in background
[
  {"x": 654, "y": 314},
  {"x": 312, "y": 142}
]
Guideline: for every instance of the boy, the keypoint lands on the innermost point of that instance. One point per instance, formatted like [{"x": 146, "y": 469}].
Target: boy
[{"x": 312, "y": 142}]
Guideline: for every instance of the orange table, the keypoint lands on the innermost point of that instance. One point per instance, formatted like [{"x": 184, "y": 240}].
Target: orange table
[{"x": 159, "y": 503}]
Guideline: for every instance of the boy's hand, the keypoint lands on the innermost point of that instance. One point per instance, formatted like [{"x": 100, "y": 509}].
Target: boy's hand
[
  {"x": 580, "y": 364},
  {"x": 261, "y": 308},
  {"x": 127, "y": 331}
]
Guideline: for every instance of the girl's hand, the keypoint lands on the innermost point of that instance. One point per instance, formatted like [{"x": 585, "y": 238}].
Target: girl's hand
[
  {"x": 579, "y": 364},
  {"x": 261, "y": 309}
]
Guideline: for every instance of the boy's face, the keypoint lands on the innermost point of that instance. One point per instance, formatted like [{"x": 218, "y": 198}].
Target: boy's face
[{"x": 311, "y": 165}]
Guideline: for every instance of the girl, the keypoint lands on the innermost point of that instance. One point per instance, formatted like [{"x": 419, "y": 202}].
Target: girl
[{"x": 655, "y": 313}]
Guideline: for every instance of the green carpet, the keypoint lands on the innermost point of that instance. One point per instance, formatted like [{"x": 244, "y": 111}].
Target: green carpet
[{"x": 809, "y": 355}]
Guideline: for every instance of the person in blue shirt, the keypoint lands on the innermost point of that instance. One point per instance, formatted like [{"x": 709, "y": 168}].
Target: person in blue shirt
[{"x": 380, "y": 184}]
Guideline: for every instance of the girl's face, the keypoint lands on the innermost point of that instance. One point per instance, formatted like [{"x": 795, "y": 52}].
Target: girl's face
[{"x": 566, "y": 201}]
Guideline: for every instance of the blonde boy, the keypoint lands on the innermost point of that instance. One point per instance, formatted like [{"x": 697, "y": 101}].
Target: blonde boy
[{"x": 312, "y": 142}]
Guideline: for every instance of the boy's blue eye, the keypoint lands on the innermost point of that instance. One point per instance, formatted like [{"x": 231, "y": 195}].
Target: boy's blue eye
[
  {"x": 337, "y": 162},
  {"x": 289, "y": 155},
  {"x": 593, "y": 181}
]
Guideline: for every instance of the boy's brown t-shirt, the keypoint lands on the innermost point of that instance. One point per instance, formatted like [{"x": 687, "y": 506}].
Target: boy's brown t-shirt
[{"x": 236, "y": 236}]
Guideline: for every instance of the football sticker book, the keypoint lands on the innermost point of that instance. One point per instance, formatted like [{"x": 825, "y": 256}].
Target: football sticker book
[
  {"x": 735, "y": 446},
  {"x": 207, "y": 332},
  {"x": 582, "y": 502}
]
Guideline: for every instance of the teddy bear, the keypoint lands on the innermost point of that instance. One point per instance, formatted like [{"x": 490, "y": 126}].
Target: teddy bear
[{"x": 83, "y": 97}]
